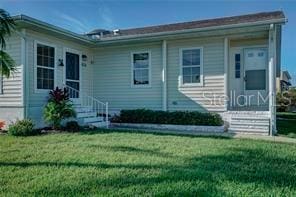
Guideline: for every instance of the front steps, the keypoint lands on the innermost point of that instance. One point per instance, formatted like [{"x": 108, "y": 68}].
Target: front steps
[
  {"x": 249, "y": 122},
  {"x": 86, "y": 116}
]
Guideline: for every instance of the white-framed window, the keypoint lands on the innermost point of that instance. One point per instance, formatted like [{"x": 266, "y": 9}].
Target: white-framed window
[
  {"x": 45, "y": 66},
  {"x": 141, "y": 66},
  {"x": 191, "y": 61}
]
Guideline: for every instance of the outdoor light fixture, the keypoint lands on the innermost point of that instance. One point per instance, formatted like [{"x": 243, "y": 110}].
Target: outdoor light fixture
[
  {"x": 61, "y": 63},
  {"x": 84, "y": 58}
]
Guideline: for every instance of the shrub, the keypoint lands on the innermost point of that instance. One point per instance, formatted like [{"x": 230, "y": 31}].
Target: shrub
[
  {"x": 162, "y": 117},
  {"x": 72, "y": 126},
  {"x": 22, "y": 128},
  {"x": 58, "y": 95},
  {"x": 54, "y": 113},
  {"x": 286, "y": 115},
  {"x": 283, "y": 102},
  {"x": 58, "y": 108},
  {"x": 2, "y": 124}
]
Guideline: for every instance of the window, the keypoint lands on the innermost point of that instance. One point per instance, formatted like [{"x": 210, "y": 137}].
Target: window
[
  {"x": 191, "y": 61},
  {"x": 250, "y": 55},
  {"x": 141, "y": 66},
  {"x": 255, "y": 80},
  {"x": 237, "y": 65},
  {"x": 45, "y": 67},
  {"x": 261, "y": 54}
]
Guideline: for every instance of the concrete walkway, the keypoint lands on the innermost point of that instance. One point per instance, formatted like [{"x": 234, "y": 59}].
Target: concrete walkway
[{"x": 215, "y": 134}]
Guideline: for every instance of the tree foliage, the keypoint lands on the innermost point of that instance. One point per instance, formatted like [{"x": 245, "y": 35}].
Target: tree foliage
[{"x": 7, "y": 25}]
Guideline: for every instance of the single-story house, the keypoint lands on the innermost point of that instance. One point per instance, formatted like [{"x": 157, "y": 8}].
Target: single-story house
[
  {"x": 283, "y": 82},
  {"x": 225, "y": 65}
]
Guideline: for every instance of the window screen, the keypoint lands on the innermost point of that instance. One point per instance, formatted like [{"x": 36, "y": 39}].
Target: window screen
[
  {"x": 255, "y": 80},
  {"x": 141, "y": 68},
  {"x": 191, "y": 63},
  {"x": 45, "y": 67}
]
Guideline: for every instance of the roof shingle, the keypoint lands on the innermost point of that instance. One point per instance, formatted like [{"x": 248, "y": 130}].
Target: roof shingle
[{"x": 263, "y": 16}]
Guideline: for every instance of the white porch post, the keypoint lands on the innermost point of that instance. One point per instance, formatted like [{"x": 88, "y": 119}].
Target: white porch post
[
  {"x": 226, "y": 55},
  {"x": 164, "y": 75},
  {"x": 271, "y": 77}
]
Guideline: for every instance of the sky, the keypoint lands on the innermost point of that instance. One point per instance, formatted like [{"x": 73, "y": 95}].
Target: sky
[{"x": 84, "y": 16}]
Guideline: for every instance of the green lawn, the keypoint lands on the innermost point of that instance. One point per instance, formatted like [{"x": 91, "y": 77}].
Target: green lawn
[{"x": 136, "y": 164}]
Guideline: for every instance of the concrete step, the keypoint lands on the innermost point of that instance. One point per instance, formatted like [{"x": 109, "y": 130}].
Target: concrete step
[
  {"x": 250, "y": 118},
  {"x": 249, "y": 112},
  {"x": 244, "y": 122},
  {"x": 82, "y": 109},
  {"x": 85, "y": 114},
  {"x": 76, "y": 101},
  {"x": 93, "y": 119},
  {"x": 256, "y": 127},
  {"x": 248, "y": 131}
]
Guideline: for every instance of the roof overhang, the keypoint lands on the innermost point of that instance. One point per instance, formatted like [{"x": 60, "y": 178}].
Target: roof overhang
[
  {"x": 27, "y": 22},
  {"x": 24, "y": 21},
  {"x": 287, "y": 74}
]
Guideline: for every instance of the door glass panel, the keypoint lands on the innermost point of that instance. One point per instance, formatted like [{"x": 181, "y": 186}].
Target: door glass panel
[
  {"x": 72, "y": 66},
  {"x": 72, "y": 74},
  {"x": 255, "y": 79}
]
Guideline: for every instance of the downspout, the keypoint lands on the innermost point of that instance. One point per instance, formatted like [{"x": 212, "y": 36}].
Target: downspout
[
  {"x": 164, "y": 75},
  {"x": 271, "y": 78},
  {"x": 24, "y": 71},
  {"x": 226, "y": 49}
]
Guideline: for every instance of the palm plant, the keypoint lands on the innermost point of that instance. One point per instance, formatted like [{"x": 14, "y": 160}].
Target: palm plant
[{"x": 7, "y": 25}]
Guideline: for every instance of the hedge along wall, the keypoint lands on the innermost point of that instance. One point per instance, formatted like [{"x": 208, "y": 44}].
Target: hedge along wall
[{"x": 163, "y": 117}]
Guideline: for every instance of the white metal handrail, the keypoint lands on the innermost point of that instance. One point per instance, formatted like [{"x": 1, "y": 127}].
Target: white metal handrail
[{"x": 99, "y": 107}]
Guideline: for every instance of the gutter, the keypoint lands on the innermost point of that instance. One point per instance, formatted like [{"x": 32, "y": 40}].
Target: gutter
[
  {"x": 23, "y": 37},
  {"x": 107, "y": 40},
  {"x": 47, "y": 26}
]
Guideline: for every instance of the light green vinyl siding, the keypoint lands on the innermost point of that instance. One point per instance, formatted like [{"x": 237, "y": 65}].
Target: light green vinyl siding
[
  {"x": 12, "y": 87},
  {"x": 37, "y": 99},
  {"x": 113, "y": 75},
  {"x": 200, "y": 98}
]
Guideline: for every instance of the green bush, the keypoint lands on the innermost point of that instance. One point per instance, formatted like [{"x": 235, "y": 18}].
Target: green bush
[
  {"x": 72, "y": 126},
  {"x": 58, "y": 108},
  {"x": 286, "y": 115},
  {"x": 22, "y": 128},
  {"x": 162, "y": 117}
]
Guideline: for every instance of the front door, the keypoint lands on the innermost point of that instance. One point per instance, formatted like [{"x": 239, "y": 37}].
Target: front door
[
  {"x": 73, "y": 74},
  {"x": 255, "y": 66}
]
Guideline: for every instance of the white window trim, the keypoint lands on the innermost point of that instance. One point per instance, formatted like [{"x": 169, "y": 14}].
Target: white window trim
[
  {"x": 201, "y": 83},
  {"x": 35, "y": 66},
  {"x": 132, "y": 70}
]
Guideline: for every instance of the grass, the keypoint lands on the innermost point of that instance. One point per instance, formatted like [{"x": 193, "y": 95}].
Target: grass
[
  {"x": 137, "y": 164},
  {"x": 286, "y": 124}
]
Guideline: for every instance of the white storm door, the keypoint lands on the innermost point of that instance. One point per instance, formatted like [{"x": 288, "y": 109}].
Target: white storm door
[
  {"x": 256, "y": 75},
  {"x": 73, "y": 74}
]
